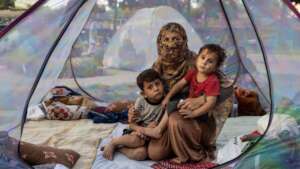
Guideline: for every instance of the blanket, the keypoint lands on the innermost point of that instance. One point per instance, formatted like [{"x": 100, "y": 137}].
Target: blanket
[
  {"x": 120, "y": 161},
  {"x": 82, "y": 136}
]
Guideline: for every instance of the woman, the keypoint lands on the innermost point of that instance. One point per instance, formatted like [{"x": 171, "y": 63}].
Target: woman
[{"x": 173, "y": 61}]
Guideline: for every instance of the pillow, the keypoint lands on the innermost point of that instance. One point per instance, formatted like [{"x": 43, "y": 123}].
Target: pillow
[
  {"x": 60, "y": 111},
  {"x": 9, "y": 157},
  {"x": 36, "y": 155},
  {"x": 119, "y": 106},
  {"x": 248, "y": 102}
]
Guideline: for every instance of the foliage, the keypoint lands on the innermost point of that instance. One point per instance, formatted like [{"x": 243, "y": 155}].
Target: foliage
[{"x": 5, "y": 4}]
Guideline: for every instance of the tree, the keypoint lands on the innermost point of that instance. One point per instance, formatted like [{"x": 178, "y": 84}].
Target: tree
[
  {"x": 5, "y": 4},
  {"x": 297, "y": 1}
]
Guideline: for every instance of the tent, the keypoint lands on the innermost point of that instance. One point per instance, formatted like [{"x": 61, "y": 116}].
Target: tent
[
  {"x": 21, "y": 4},
  {"x": 104, "y": 44}
]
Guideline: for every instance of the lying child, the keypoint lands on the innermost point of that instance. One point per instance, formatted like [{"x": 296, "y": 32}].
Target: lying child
[{"x": 148, "y": 106}]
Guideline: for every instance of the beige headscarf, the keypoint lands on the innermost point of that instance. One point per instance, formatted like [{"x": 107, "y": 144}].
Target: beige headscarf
[{"x": 174, "y": 57}]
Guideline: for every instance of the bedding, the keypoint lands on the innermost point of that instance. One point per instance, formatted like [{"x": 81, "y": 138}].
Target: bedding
[
  {"x": 233, "y": 127},
  {"x": 36, "y": 155},
  {"x": 82, "y": 136},
  {"x": 236, "y": 126}
]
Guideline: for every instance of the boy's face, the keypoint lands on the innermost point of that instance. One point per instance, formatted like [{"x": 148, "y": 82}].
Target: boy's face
[
  {"x": 153, "y": 91},
  {"x": 207, "y": 62}
]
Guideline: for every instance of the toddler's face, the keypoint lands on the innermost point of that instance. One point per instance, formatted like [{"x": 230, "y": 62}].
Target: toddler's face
[
  {"x": 206, "y": 62},
  {"x": 153, "y": 91}
]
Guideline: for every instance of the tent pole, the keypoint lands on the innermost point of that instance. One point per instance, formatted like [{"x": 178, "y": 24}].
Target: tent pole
[
  {"x": 268, "y": 75},
  {"x": 235, "y": 43},
  {"x": 39, "y": 75},
  {"x": 234, "y": 40},
  {"x": 21, "y": 17},
  {"x": 238, "y": 54}
]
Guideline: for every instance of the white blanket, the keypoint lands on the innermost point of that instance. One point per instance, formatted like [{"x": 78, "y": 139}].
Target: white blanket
[
  {"x": 120, "y": 161},
  {"x": 82, "y": 136},
  {"x": 233, "y": 127}
]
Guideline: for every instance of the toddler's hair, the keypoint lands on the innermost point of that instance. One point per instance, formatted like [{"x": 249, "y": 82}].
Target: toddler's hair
[
  {"x": 148, "y": 75},
  {"x": 217, "y": 50}
]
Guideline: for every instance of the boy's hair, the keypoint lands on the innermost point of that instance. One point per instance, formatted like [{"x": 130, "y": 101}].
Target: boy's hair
[
  {"x": 148, "y": 75},
  {"x": 217, "y": 50}
]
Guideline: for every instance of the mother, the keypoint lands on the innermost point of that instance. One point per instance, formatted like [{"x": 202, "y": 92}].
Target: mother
[{"x": 183, "y": 138}]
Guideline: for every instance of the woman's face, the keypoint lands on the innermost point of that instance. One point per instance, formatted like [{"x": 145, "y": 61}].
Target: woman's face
[{"x": 172, "y": 40}]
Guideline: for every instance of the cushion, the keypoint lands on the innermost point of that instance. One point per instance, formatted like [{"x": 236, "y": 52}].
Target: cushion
[
  {"x": 119, "y": 106},
  {"x": 248, "y": 102},
  {"x": 9, "y": 158},
  {"x": 37, "y": 155},
  {"x": 60, "y": 111}
]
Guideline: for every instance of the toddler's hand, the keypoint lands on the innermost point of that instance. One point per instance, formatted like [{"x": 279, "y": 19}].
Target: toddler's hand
[{"x": 165, "y": 102}]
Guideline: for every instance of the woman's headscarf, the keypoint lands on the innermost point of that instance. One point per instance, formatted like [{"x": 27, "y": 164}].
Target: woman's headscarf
[{"x": 174, "y": 57}]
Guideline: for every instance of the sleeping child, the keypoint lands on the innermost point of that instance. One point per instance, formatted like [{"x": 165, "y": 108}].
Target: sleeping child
[{"x": 148, "y": 106}]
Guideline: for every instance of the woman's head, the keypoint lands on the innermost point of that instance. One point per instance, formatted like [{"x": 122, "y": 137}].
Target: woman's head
[
  {"x": 171, "y": 41},
  {"x": 210, "y": 58}
]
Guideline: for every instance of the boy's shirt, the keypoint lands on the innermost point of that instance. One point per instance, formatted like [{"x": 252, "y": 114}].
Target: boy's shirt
[{"x": 148, "y": 112}]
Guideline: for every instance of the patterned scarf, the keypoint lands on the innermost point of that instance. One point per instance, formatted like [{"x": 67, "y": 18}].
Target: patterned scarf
[{"x": 174, "y": 57}]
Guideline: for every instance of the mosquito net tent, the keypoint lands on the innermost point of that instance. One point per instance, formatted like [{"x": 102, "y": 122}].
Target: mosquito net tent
[{"x": 99, "y": 46}]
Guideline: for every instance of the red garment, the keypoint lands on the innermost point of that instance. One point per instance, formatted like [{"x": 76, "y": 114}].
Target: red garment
[
  {"x": 167, "y": 164},
  {"x": 210, "y": 87}
]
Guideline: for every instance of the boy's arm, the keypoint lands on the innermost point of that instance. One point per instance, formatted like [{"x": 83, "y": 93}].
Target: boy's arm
[
  {"x": 135, "y": 127},
  {"x": 158, "y": 130},
  {"x": 208, "y": 105},
  {"x": 163, "y": 123}
]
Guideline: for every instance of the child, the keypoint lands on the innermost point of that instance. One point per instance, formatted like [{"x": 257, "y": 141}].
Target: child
[
  {"x": 201, "y": 80},
  {"x": 150, "y": 112}
]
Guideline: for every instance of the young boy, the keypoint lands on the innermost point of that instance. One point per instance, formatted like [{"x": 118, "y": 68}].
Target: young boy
[{"x": 148, "y": 105}]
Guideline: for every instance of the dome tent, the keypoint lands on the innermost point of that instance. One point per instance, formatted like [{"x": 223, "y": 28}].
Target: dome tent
[
  {"x": 134, "y": 29},
  {"x": 35, "y": 48}
]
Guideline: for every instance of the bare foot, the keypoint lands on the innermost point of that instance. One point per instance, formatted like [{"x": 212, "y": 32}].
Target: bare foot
[
  {"x": 108, "y": 151},
  {"x": 154, "y": 133},
  {"x": 177, "y": 160}
]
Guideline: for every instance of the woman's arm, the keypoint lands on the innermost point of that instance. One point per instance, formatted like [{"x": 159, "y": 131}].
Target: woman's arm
[{"x": 208, "y": 105}]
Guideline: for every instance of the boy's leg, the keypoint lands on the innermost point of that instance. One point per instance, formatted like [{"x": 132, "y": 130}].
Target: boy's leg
[
  {"x": 139, "y": 153},
  {"x": 131, "y": 141}
]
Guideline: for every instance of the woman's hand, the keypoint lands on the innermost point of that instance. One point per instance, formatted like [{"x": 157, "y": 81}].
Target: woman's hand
[
  {"x": 192, "y": 103},
  {"x": 186, "y": 113},
  {"x": 133, "y": 114}
]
